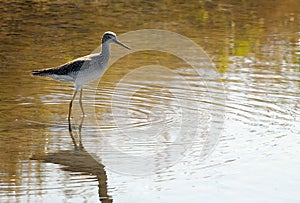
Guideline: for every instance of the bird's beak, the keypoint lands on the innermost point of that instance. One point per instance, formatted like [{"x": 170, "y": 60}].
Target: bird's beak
[{"x": 121, "y": 44}]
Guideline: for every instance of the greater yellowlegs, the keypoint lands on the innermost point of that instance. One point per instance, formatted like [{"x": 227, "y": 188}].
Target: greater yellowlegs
[{"x": 83, "y": 69}]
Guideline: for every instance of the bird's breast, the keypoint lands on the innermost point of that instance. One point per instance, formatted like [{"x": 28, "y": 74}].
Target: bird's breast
[{"x": 90, "y": 73}]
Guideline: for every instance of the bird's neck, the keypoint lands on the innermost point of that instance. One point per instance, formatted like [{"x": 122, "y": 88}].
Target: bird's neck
[{"x": 105, "y": 52}]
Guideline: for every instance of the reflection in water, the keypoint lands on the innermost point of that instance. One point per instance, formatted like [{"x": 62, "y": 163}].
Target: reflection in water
[{"x": 79, "y": 160}]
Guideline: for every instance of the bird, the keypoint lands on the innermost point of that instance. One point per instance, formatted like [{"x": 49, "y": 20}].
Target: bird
[{"x": 83, "y": 69}]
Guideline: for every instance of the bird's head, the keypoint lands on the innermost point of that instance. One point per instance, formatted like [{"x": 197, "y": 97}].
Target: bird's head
[{"x": 111, "y": 37}]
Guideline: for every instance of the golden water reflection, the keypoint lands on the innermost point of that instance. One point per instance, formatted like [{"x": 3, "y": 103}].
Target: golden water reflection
[
  {"x": 79, "y": 160},
  {"x": 254, "y": 44}
]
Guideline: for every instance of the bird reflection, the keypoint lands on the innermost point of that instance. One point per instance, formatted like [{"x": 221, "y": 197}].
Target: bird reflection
[{"x": 79, "y": 160}]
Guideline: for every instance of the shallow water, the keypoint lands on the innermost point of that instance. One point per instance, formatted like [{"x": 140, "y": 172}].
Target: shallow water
[{"x": 160, "y": 127}]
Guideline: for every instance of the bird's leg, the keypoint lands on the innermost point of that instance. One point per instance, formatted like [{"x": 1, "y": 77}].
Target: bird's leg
[
  {"x": 70, "y": 109},
  {"x": 79, "y": 132},
  {"x": 80, "y": 101}
]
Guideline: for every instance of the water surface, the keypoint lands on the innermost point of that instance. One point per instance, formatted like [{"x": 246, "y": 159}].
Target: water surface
[{"x": 145, "y": 154}]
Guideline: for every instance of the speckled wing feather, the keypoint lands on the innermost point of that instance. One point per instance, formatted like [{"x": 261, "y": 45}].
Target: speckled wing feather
[{"x": 66, "y": 69}]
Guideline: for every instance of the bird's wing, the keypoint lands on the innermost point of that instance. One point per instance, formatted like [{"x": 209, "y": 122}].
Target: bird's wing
[{"x": 69, "y": 68}]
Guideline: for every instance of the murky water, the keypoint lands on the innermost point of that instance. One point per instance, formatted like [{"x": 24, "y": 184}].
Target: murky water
[{"x": 159, "y": 127}]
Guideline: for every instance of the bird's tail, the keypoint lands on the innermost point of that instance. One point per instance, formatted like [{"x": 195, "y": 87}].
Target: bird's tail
[{"x": 44, "y": 72}]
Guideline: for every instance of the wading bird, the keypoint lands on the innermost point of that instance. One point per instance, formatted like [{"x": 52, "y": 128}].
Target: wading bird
[{"x": 83, "y": 69}]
